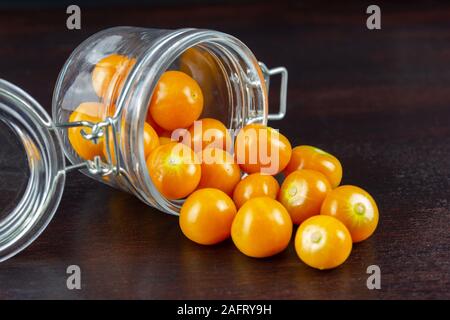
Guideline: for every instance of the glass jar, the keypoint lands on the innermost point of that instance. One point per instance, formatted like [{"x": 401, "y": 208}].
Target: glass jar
[{"x": 233, "y": 82}]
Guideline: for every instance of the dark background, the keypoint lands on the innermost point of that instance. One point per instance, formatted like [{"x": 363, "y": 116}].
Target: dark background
[{"x": 378, "y": 100}]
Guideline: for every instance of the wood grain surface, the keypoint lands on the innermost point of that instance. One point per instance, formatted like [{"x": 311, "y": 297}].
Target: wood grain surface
[{"x": 378, "y": 100}]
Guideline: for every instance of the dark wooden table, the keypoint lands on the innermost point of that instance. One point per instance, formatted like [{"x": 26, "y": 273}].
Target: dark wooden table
[{"x": 378, "y": 100}]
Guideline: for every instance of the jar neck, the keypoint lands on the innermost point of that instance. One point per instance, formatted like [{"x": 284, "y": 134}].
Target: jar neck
[{"x": 244, "y": 82}]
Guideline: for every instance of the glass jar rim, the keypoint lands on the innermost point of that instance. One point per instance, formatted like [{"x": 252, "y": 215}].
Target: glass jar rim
[
  {"x": 148, "y": 70},
  {"x": 43, "y": 147}
]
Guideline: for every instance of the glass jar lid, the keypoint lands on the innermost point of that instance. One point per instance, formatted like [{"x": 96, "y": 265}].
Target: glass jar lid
[{"x": 23, "y": 221}]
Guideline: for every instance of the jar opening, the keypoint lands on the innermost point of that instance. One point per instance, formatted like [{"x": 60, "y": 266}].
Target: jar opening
[{"x": 231, "y": 81}]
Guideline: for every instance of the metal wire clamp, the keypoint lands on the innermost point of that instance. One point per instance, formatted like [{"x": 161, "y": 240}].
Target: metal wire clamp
[{"x": 104, "y": 129}]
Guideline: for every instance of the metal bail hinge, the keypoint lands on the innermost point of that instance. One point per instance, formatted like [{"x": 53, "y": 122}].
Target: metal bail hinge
[
  {"x": 98, "y": 130},
  {"x": 283, "y": 88}
]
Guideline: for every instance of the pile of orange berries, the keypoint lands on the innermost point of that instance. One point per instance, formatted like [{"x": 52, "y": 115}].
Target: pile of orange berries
[{"x": 234, "y": 194}]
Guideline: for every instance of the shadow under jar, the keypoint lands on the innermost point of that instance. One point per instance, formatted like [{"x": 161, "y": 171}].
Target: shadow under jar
[{"x": 234, "y": 86}]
